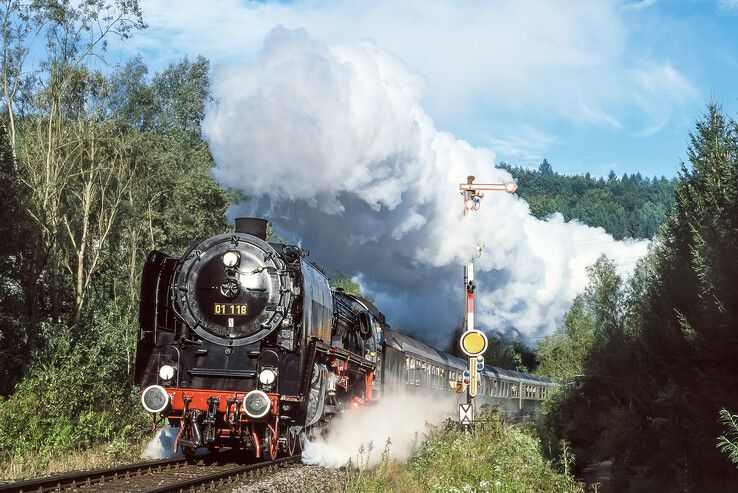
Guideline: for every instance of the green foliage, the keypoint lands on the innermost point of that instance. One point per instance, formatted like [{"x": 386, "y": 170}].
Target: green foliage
[
  {"x": 599, "y": 309},
  {"x": 76, "y": 392},
  {"x": 562, "y": 353},
  {"x": 510, "y": 355},
  {"x": 349, "y": 284},
  {"x": 16, "y": 340},
  {"x": 631, "y": 206},
  {"x": 97, "y": 169},
  {"x": 662, "y": 363},
  {"x": 492, "y": 458},
  {"x": 728, "y": 443}
]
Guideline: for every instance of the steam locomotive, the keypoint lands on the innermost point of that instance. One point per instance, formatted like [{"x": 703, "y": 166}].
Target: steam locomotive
[{"x": 243, "y": 344}]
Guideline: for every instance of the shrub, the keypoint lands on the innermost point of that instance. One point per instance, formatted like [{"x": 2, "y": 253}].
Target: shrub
[
  {"x": 492, "y": 457},
  {"x": 76, "y": 393}
]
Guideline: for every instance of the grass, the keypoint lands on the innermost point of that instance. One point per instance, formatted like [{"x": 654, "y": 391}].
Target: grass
[
  {"x": 492, "y": 457},
  {"x": 27, "y": 465}
]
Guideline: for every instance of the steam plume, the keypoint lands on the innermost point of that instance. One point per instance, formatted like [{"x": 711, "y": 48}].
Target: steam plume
[
  {"x": 160, "y": 446},
  {"x": 333, "y": 144},
  {"x": 396, "y": 424}
]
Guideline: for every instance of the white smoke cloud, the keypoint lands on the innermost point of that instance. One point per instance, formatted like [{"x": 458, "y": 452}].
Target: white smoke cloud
[
  {"x": 337, "y": 150},
  {"x": 397, "y": 424}
]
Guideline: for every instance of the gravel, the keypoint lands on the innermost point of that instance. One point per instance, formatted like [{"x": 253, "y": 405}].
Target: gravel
[{"x": 296, "y": 477}]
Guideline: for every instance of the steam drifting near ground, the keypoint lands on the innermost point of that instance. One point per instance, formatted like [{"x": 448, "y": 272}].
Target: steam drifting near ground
[
  {"x": 335, "y": 147},
  {"x": 160, "y": 446},
  {"x": 397, "y": 423}
]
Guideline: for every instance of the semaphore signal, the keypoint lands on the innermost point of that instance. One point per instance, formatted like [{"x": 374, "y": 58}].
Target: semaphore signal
[{"x": 474, "y": 342}]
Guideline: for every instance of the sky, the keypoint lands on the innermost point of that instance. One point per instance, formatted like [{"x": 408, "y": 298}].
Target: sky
[{"x": 591, "y": 86}]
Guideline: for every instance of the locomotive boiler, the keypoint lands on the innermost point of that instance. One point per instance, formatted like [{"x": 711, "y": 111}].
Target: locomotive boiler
[{"x": 243, "y": 344}]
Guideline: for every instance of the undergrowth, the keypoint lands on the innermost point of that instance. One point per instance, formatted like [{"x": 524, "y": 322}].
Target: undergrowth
[
  {"x": 492, "y": 457},
  {"x": 75, "y": 408}
]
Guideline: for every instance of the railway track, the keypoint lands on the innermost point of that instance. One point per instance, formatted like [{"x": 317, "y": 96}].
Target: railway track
[{"x": 162, "y": 476}]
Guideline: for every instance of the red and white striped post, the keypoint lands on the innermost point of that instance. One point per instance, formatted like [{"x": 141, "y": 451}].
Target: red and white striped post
[{"x": 474, "y": 342}]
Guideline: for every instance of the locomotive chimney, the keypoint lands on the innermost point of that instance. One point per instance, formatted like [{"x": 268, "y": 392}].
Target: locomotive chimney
[{"x": 253, "y": 226}]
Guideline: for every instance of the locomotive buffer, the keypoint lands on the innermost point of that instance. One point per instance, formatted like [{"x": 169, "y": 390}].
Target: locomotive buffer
[{"x": 473, "y": 342}]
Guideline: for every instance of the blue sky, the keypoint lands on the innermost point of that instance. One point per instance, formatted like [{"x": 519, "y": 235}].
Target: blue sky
[{"x": 592, "y": 86}]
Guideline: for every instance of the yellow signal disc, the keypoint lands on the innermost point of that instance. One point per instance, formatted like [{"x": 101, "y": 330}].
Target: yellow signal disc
[{"x": 473, "y": 342}]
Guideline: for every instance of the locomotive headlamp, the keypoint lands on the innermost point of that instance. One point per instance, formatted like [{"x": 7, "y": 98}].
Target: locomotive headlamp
[
  {"x": 267, "y": 376},
  {"x": 166, "y": 372},
  {"x": 256, "y": 404},
  {"x": 155, "y": 399},
  {"x": 231, "y": 259}
]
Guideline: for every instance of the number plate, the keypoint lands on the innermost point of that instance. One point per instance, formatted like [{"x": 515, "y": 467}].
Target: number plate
[{"x": 230, "y": 309}]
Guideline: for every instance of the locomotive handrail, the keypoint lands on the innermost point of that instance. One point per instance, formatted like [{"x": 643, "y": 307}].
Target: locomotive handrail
[{"x": 347, "y": 355}]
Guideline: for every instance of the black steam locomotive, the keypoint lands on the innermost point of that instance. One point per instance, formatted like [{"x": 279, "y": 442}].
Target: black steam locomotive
[{"x": 244, "y": 345}]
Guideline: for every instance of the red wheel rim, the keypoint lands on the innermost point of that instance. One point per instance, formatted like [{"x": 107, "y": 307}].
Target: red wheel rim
[
  {"x": 257, "y": 446},
  {"x": 272, "y": 443}
]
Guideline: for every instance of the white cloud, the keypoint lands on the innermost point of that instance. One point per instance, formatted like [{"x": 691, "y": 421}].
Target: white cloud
[
  {"x": 560, "y": 59},
  {"x": 639, "y": 5},
  {"x": 523, "y": 143},
  {"x": 335, "y": 144}
]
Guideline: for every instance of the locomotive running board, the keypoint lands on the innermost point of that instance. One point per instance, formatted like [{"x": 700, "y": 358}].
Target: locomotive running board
[{"x": 362, "y": 363}]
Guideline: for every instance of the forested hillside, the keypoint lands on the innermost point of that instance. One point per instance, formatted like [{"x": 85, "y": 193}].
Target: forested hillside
[
  {"x": 630, "y": 206},
  {"x": 653, "y": 357},
  {"x": 97, "y": 166}
]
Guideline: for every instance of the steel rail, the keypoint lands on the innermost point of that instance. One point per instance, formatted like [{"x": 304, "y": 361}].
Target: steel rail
[
  {"x": 62, "y": 481},
  {"x": 188, "y": 484},
  {"x": 65, "y": 480}
]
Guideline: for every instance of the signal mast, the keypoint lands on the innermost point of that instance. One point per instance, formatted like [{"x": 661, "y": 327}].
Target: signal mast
[{"x": 473, "y": 342}]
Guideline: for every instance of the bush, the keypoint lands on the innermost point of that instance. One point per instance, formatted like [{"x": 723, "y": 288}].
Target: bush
[
  {"x": 76, "y": 393},
  {"x": 493, "y": 457}
]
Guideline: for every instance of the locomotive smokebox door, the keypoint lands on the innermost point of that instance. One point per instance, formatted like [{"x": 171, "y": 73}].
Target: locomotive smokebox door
[{"x": 234, "y": 289}]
